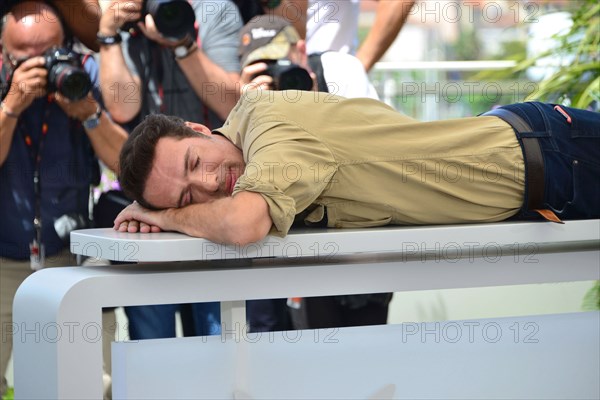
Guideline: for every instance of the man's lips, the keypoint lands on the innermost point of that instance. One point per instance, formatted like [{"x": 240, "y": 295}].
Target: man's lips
[{"x": 230, "y": 182}]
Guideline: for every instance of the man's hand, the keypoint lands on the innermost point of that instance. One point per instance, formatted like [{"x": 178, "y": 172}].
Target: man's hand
[
  {"x": 252, "y": 79},
  {"x": 117, "y": 14},
  {"x": 240, "y": 219},
  {"x": 29, "y": 82},
  {"x": 150, "y": 30},
  {"x": 135, "y": 218},
  {"x": 80, "y": 109}
]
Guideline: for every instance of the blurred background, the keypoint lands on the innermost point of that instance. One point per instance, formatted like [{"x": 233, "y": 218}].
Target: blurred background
[{"x": 461, "y": 58}]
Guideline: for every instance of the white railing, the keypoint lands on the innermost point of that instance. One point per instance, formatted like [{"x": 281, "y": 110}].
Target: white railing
[{"x": 432, "y": 90}]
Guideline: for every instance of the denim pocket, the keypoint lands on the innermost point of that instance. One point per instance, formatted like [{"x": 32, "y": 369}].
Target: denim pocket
[
  {"x": 584, "y": 124},
  {"x": 570, "y": 200}
]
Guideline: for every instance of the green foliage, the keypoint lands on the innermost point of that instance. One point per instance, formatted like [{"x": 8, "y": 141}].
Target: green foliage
[
  {"x": 467, "y": 46},
  {"x": 577, "y": 79},
  {"x": 9, "y": 395},
  {"x": 591, "y": 300},
  {"x": 577, "y": 76}
]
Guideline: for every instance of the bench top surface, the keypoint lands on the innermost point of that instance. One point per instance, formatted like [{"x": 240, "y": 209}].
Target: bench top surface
[{"x": 312, "y": 242}]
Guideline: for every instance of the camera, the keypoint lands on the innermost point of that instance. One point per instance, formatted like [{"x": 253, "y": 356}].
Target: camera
[
  {"x": 174, "y": 19},
  {"x": 287, "y": 75},
  {"x": 65, "y": 74},
  {"x": 67, "y": 223}
]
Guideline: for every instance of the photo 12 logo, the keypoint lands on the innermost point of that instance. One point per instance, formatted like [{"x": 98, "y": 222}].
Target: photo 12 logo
[{"x": 470, "y": 332}]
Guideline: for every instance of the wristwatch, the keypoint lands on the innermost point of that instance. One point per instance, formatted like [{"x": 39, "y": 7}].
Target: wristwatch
[
  {"x": 185, "y": 49},
  {"x": 108, "y": 40},
  {"x": 93, "y": 120}
]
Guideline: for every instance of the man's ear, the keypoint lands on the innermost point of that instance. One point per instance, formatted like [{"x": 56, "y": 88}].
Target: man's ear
[{"x": 198, "y": 128}]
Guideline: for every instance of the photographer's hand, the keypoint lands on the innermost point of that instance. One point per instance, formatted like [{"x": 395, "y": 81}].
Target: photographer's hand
[
  {"x": 81, "y": 109},
  {"x": 117, "y": 14},
  {"x": 150, "y": 30},
  {"x": 29, "y": 82},
  {"x": 253, "y": 78}
]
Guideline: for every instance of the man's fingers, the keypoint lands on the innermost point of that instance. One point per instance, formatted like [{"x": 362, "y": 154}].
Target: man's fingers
[
  {"x": 133, "y": 226},
  {"x": 122, "y": 227},
  {"x": 130, "y": 220},
  {"x": 144, "y": 227}
]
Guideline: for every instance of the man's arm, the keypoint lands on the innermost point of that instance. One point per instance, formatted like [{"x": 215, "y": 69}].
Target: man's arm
[
  {"x": 213, "y": 69},
  {"x": 121, "y": 89},
  {"x": 83, "y": 18},
  {"x": 216, "y": 85},
  {"x": 389, "y": 19},
  {"x": 28, "y": 83},
  {"x": 106, "y": 137},
  {"x": 294, "y": 11},
  {"x": 217, "y": 88},
  {"x": 8, "y": 123},
  {"x": 240, "y": 219},
  {"x": 107, "y": 140}
]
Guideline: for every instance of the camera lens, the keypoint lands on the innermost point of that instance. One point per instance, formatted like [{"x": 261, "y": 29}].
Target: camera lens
[
  {"x": 287, "y": 75},
  {"x": 295, "y": 78},
  {"x": 70, "y": 81},
  {"x": 174, "y": 19}
]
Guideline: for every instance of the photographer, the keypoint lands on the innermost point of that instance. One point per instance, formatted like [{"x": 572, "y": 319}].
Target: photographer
[
  {"x": 274, "y": 57},
  {"x": 180, "y": 58},
  {"x": 52, "y": 133},
  {"x": 191, "y": 70}
]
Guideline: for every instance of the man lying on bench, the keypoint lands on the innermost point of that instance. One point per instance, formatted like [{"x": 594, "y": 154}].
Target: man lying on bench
[{"x": 350, "y": 163}]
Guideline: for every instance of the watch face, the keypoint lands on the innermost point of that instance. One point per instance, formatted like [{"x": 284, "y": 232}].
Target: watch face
[
  {"x": 180, "y": 51},
  {"x": 91, "y": 123}
]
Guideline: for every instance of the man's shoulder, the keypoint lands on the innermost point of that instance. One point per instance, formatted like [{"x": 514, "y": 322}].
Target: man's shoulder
[{"x": 224, "y": 11}]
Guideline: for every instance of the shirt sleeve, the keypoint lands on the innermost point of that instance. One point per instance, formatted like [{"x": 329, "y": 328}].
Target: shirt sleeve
[{"x": 288, "y": 166}]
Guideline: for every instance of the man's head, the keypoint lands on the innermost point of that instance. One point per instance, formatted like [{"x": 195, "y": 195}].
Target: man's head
[
  {"x": 168, "y": 163},
  {"x": 268, "y": 37},
  {"x": 28, "y": 30}
]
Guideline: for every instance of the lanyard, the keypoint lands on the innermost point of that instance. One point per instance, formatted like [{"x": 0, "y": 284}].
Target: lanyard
[{"x": 36, "y": 158}]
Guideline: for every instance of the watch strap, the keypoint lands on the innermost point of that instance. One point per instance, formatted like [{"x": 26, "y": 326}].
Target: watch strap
[
  {"x": 108, "y": 40},
  {"x": 93, "y": 120},
  {"x": 185, "y": 49}
]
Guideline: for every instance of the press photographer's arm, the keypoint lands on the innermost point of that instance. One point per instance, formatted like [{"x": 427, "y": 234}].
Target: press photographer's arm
[{"x": 30, "y": 81}]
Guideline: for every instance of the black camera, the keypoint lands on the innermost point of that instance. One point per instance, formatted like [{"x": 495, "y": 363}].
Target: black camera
[
  {"x": 287, "y": 75},
  {"x": 174, "y": 19},
  {"x": 65, "y": 74}
]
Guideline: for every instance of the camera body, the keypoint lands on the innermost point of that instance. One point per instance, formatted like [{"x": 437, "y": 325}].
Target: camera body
[
  {"x": 65, "y": 74},
  {"x": 287, "y": 75},
  {"x": 174, "y": 19}
]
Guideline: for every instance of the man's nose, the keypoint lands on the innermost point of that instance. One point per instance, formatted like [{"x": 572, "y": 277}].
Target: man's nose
[{"x": 207, "y": 181}]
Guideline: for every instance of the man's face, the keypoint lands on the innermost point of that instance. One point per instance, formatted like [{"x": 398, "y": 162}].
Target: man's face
[{"x": 193, "y": 170}]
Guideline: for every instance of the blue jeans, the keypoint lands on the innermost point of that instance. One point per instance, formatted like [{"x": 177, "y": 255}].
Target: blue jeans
[
  {"x": 571, "y": 152},
  {"x": 158, "y": 321}
]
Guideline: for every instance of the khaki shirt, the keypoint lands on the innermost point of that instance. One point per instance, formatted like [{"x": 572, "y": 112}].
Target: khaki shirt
[{"x": 365, "y": 164}]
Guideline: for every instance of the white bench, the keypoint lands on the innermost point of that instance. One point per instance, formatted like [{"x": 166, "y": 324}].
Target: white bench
[{"x": 57, "y": 312}]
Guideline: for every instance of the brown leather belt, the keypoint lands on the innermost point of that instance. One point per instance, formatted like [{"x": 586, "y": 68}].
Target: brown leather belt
[{"x": 534, "y": 162}]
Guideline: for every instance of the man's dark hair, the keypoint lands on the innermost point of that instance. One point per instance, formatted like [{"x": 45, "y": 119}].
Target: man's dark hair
[{"x": 137, "y": 154}]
